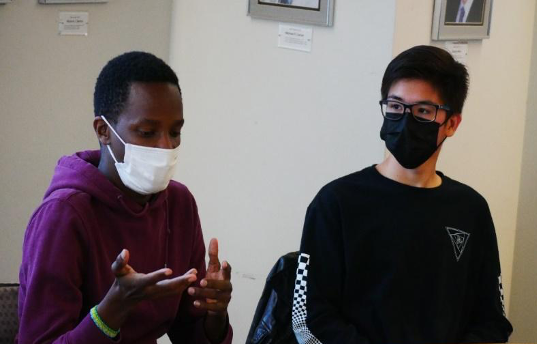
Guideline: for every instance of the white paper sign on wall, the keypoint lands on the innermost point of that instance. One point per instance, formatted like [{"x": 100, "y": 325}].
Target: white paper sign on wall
[
  {"x": 73, "y": 23},
  {"x": 295, "y": 37},
  {"x": 459, "y": 50}
]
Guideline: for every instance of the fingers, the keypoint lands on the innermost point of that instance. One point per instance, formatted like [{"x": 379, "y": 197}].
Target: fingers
[
  {"x": 226, "y": 270},
  {"x": 119, "y": 266},
  {"x": 155, "y": 277},
  {"x": 216, "y": 284},
  {"x": 218, "y": 306},
  {"x": 174, "y": 286},
  {"x": 214, "y": 295},
  {"x": 214, "y": 262},
  {"x": 178, "y": 283}
]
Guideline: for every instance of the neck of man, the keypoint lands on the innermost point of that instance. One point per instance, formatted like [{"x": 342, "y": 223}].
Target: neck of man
[
  {"x": 424, "y": 176},
  {"x": 107, "y": 168}
]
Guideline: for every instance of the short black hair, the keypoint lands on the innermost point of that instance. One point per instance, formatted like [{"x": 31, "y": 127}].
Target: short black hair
[
  {"x": 434, "y": 65},
  {"x": 112, "y": 88}
]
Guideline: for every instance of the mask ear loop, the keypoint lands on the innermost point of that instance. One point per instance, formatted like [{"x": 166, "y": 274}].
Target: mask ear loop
[
  {"x": 108, "y": 146},
  {"x": 450, "y": 114}
]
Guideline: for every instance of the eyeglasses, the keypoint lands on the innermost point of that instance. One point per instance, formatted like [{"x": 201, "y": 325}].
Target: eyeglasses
[{"x": 422, "y": 112}]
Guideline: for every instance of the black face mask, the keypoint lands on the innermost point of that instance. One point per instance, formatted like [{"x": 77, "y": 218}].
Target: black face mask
[{"x": 410, "y": 142}]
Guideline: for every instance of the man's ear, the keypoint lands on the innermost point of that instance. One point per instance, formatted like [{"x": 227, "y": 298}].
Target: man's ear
[
  {"x": 453, "y": 123},
  {"x": 101, "y": 129}
]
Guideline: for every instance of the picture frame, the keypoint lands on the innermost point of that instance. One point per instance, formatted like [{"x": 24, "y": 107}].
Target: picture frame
[
  {"x": 472, "y": 22},
  {"x": 312, "y": 12},
  {"x": 63, "y": 2}
]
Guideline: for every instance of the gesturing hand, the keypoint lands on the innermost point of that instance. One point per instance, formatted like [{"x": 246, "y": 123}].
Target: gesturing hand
[
  {"x": 131, "y": 287},
  {"x": 139, "y": 286},
  {"x": 215, "y": 291}
]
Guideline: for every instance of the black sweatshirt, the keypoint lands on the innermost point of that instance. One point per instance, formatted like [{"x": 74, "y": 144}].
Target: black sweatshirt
[{"x": 392, "y": 263}]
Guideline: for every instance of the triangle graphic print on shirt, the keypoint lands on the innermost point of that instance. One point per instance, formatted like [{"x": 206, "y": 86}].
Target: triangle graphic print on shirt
[{"x": 459, "y": 239}]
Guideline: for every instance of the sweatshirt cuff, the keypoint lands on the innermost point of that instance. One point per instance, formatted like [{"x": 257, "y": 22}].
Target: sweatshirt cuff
[
  {"x": 87, "y": 332},
  {"x": 200, "y": 336}
]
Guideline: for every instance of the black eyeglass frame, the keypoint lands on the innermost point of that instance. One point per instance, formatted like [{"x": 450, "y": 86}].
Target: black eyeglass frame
[{"x": 448, "y": 110}]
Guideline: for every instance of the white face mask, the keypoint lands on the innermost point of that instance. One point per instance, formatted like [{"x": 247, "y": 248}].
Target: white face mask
[{"x": 145, "y": 170}]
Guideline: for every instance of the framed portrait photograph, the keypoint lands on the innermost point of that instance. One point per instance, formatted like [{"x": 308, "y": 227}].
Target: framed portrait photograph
[
  {"x": 61, "y": 2},
  {"x": 313, "y": 12},
  {"x": 461, "y": 19}
]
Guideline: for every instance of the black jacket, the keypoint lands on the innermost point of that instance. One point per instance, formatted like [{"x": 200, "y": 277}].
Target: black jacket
[{"x": 272, "y": 319}]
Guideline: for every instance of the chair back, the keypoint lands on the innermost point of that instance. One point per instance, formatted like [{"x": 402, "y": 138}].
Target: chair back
[{"x": 9, "y": 319}]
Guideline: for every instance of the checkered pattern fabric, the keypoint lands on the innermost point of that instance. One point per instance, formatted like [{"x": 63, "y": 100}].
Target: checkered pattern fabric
[
  {"x": 500, "y": 286},
  {"x": 9, "y": 320},
  {"x": 302, "y": 333}
]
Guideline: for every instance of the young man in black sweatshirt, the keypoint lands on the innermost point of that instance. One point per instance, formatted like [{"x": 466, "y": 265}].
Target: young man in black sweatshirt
[{"x": 399, "y": 252}]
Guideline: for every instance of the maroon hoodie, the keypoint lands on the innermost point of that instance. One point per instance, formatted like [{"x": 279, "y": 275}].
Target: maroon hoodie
[{"x": 81, "y": 226}]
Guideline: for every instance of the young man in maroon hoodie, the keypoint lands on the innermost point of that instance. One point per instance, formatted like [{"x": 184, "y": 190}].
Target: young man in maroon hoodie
[{"x": 119, "y": 207}]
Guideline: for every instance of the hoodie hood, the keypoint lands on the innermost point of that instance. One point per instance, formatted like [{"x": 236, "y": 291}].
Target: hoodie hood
[{"x": 80, "y": 172}]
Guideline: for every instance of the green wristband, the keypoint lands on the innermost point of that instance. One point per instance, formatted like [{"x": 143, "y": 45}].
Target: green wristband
[{"x": 101, "y": 325}]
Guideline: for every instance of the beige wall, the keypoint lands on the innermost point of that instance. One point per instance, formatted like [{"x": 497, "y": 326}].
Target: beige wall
[
  {"x": 486, "y": 152},
  {"x": 46, "y": 95},
  {"x": 524, "y": 293}
]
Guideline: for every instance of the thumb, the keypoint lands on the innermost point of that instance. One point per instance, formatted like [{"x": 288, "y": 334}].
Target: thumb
[
  {"x": 214, "y": 262},
  {"x": 120, "y": 264}
]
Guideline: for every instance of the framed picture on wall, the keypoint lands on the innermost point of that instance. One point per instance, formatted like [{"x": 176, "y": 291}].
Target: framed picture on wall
[
  {"x": 461, "y": 19},
  {"x": 313, "y": 12}
]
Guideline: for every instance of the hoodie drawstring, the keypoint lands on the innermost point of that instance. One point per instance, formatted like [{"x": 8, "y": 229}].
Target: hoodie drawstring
[{"x": 167, "y": 233}]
